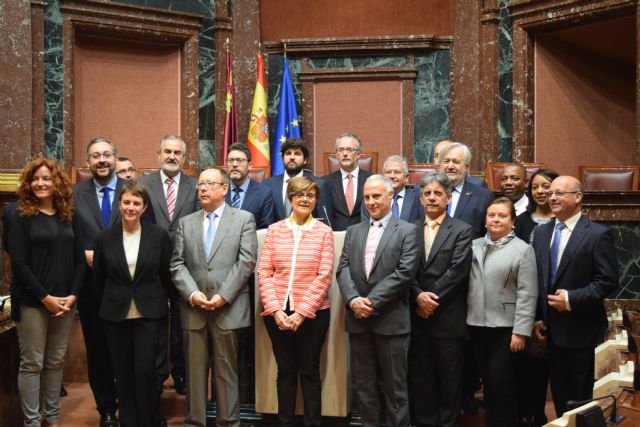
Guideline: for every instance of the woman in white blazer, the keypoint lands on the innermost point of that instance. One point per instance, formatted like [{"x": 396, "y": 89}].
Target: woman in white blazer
[{"x": 503, "y": 290}]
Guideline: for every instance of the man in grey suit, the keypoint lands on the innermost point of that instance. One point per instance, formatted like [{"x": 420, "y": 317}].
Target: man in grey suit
[
  {"x": 172, "y": 195},
  {"x": 375, "y": 288},
  {"x": 439, "y": 309},
  {"x": 214, "y": 255}
]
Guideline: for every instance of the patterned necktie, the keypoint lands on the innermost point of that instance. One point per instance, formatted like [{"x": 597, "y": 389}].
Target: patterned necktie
[
  {"x": 554, "y": 253},
  {"x": 372, "y": 244},
  {"x": 106, "y": 206},
  {"x": 211, "y": 233},
  {"x": 235, "y": 200},
  {"x": 348, "y": 194},
  {"x": 287, "y": 202},
  {"x": 171, "y": 197},
  {"x": 429, "y": 236},
  {"x": 395, "y": 207}
]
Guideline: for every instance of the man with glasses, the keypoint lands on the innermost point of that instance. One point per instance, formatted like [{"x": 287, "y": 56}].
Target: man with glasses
[
  {"x": 295, "y": 156},
  {"x": 96, "y": 208},
  {"x": 577, "y": 269},
  {"x": 125, "y": 168},
  {"x": 346, "y": 185},
  {"x": 245, "y": 193},
  {"x": 212, "y": 284},
  {"x": 172, "y": 195}
]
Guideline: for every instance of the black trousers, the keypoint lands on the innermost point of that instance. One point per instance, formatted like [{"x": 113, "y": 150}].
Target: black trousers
[
  {"x": 435, "y": 371},
  {"x": 532, "y": 377},
  {"x": 133, "y": 346},
  {"x": 299, "y": 353},
  {"x": 170, "y": 344},
  {"x": 101, "y": 377},
  {"x": 571, "y": 373},
  {"x": 496, "y": 364}
]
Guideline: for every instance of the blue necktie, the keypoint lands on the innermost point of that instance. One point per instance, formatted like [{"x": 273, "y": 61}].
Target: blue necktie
[
  {"x": 235, "y": 200},
  {"x": 211, "y": 233},
  {"x": 449, "y": 206},
  {"x": 106, "y": 206},
  {"x": 553, "y": 255},
  {"x": 395, "y": 207}
]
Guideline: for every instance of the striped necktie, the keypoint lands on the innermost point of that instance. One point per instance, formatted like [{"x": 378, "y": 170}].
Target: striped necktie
[
  {"x": 171, "y": 197},
  {"x": 235, "y": 200}
]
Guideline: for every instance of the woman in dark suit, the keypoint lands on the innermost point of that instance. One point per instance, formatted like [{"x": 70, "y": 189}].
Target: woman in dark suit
[
  {"x": 131, "y": 269},
  {"x": 538, "y": 211}
]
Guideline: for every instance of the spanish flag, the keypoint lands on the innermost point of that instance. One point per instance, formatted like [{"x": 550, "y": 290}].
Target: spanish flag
[{"x": 258, "y": 138}]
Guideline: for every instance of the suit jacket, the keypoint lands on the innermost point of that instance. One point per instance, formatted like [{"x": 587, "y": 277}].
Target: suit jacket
[
  {"x": 392, "y": 274},
  {"x": 472, "y": 207},
  {"x": 446, "y": 274},
  {"x": 150, "y": 283},
  {"x": 323, "y": 205},
  {"x": 259, "y": 201},
  {"x": 412, "y": 208},
  {"x": 87, "y": 224},
  {"x": 588, "y": 270},
  {"x": 157, "y": 211},
  {"x": 341, "y": 217},
  {"x": 233, "y": 257}
]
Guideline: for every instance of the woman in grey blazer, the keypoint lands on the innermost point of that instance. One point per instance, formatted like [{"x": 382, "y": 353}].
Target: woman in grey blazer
[{"x": 503, "y": 290}]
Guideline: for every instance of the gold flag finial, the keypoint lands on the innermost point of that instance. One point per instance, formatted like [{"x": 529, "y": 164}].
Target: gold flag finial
[
  {"x": 226, "y": 44},
  {"x": 285, "y": 50}
]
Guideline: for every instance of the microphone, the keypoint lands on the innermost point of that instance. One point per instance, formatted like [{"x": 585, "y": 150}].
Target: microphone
[
  {"x": 326, "y": 215},
  {"x": 613, "y": 419}
]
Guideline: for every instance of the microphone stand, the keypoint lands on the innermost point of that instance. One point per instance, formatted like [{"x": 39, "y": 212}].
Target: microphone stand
[{"x": 613, "y": 418}]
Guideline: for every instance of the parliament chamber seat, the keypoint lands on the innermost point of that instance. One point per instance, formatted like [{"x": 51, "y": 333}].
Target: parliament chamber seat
[
  {"x": 418, "y": 170},
  {"x": 367, "y": 161},
  {"x": 609, "y": 178},
  {"x": 494, "y": 171}
]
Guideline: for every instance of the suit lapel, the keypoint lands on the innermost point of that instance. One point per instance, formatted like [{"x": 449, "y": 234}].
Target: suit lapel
[
  {"x": 387, "y": 233},
  {"x": 577, "y": 235},
  {"x": 338, "y": 194},
  {"x": 277, "y": 194},
  {"x": 407, "y": 205},
  {"x": 115, "y": 205},
  {"x": 91, "y": 200},
  {"x": 441, "y": 236},
  {"x": 143, "y": 251},
  {"x": 183, "y": 192},
  {"x": 544, "y": 232},
  {"x": 465, "y": 195},
  {"x": 158, "y": 191},
  {"x": 477, "y": 249},
  {"x": 225, "y": 223},
  {"x": 121, "y": 257},
  {"x": 249, "y": 197}
]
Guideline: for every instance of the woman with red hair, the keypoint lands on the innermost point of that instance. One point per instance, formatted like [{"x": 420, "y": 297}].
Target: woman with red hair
[{"x": 48, "y": 269}]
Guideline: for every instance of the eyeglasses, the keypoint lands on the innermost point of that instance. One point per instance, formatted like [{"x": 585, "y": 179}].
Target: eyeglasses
[
  {"x": 348, "y": 150},
  {"x": 208, "y": 184},
  {"x": 236, "y": 161},
  {"x": 130, "y": 170},
  {"x": 106, "y": 155},
  {"x": 560, "y": 193},
  {"x": 299, "y": 195}
]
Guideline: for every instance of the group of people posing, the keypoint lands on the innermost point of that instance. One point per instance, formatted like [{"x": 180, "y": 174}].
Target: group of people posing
[{"x": 426, "y": 273}]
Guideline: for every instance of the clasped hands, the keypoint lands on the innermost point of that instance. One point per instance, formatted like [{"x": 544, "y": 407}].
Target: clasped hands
[
  {"x": 427, "y": 303},
  {"x": 200, "y": 300},
  {"x": 362, "y": 307},
  {"x": 58, "y": 306},
  {"x": 286, "y": 322}
]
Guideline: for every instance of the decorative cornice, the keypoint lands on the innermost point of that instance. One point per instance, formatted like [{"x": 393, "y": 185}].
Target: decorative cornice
[
  {"x": 546, "y": 12},
  {"x": 384, "y": 73},
  {"x": 222, "y": 23},
  {"x": 359, "y": 44},
  {"x": 38, "y": 4},
  {"x": 611, "y": 205}
]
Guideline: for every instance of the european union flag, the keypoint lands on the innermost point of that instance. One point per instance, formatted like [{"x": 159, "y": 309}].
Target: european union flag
[{"x": 287, "y": 120}]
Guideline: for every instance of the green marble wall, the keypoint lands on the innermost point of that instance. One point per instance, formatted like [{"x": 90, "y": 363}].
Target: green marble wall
[
  {"x": 505, "y": 86},
  {"x": 54, "y": 75}
]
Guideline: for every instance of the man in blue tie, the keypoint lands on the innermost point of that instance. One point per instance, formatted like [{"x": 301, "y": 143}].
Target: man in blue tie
[
  {"x": 577, "y": 269},
  {"x": 213, "y": 258},
  {"x": 95, "y": 210}
]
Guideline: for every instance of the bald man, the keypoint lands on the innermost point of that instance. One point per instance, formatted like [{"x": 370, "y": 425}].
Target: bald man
[{"x": 577, "y": 269}]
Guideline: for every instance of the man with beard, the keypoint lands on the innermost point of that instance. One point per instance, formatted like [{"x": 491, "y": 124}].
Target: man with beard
[
  {"x": 295, "y": 156},
  {"x": 514, "y": 183},
  {"x": 245, "y": 193},
  {"x": 96, "y": 209},
  {"x": 346, "y": 184},
  {"x": 172, "y": 195}
]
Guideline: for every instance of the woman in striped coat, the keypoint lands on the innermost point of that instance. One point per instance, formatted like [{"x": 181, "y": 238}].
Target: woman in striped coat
[{"x": 294, "y": 273}]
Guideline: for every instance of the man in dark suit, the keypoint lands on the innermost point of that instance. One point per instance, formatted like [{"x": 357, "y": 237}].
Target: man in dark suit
[
  {"x": 96, "y": 209},
  {"x": 577, "y": 269},
  {"x": 345, "y": 185},
  {"x": 439, "y": 309},
  {"x": 436, "y": 160},
  {"x": 468, "y": 201},
  {"x": 513, "y": 180},
  {"x": 375, "y": 273},
  {"x": 172, "y": 195},
  {"x": 245, "y": 193},
  {"x": 295, "y": 156}
]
